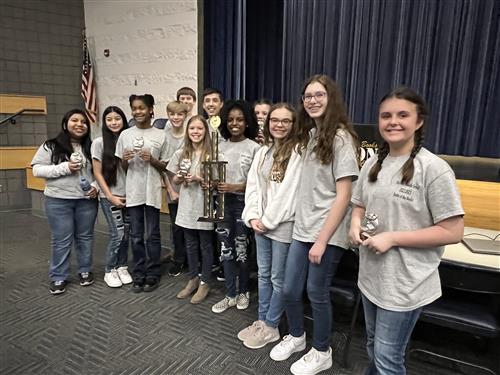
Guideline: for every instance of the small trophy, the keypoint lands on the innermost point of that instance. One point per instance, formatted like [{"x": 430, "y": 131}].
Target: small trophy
[
  {"x": 76, "y": 157},
  {"x": 369, "y": 225},
  {"x": 184, "y": 167},
  {"x": 138, "y": 143}
]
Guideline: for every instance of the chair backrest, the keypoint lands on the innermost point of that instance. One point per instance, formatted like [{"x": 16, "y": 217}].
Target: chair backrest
[
  {"x": 160, "y": 123},
  {"x": 470, "y": 279}
]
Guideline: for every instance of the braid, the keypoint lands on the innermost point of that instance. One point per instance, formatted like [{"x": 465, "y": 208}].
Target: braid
[
  {"x": 408, "y": 167},
  {"x": 382, "y": 154}
]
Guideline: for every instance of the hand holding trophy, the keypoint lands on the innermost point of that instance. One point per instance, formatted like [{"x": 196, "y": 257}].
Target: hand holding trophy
[{"x": 369, "y": 225}]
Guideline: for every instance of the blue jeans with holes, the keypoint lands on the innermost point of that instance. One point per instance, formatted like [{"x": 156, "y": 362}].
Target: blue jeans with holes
[
  {"x": 387, "y": 334},
  {"x": 233, "y": 208},
  {"x": 118, "y": 227},
  {"x": 71, "y": 221},
  {"x": 146, "y": 254},
  {"x": 298, "y": 271},
  {"x": 271, "y": 261}
]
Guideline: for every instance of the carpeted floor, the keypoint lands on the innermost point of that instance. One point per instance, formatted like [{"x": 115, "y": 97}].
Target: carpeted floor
[{"x": 99, "y": 330}]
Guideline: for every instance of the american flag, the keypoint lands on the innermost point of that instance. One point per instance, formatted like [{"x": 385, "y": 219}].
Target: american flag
[{"x": 88, "y": 84}]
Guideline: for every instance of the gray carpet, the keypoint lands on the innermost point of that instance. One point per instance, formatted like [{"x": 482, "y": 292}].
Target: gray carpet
[{"x": 99, "y": 330}]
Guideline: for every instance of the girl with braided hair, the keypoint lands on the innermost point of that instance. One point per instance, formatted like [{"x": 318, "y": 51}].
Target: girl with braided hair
[{"x": 414, "y": 196}]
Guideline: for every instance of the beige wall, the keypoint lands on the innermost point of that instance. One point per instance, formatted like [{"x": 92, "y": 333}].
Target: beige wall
[{"x": 153, "y": 49}]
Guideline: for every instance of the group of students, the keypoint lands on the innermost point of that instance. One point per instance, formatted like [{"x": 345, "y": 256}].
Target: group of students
[{"x": 299, "y": 192}]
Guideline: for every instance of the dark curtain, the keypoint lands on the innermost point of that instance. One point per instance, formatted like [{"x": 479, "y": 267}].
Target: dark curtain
[
  {"x": 224, "y": 46},
  {"x": 264, "y": 46},
  {"x": 243, "y": 45},
  {"x": 448, "y": 50}
]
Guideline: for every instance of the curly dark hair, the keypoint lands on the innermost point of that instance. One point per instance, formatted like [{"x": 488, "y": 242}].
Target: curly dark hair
[{"x": 251, "y": 126}]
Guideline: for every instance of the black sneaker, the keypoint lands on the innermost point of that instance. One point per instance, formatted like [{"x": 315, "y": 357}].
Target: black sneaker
[
  {"x": 57, "y": 287},
  {"x": 86, "y": 278},
  {"x": 137, "y": 286},
  {"x": 151, "y": 285},
  {"x": 220, "y": 274},
  {"x": 175, "y": 270}
]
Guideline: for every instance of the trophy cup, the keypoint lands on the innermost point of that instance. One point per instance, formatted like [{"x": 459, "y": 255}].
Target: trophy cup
[
  {"x": 369, "y": 225},
  {"x": 138, "y": 143},
  {"x": 214, "y": 171},
  {"x": 184, "y": 167}
]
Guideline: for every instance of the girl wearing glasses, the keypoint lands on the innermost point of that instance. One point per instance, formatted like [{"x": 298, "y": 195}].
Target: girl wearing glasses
[
  {"x": 320, "y": 230},
  {"x": 238, "y": 128},
  {"x": 270, "y": 209}
]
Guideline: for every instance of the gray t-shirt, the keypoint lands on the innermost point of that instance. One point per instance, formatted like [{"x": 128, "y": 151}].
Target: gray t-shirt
[
  {"x": 119, "y": 188},
  {"x": 190, "y": 196},
  {"x": 59, "y": 181},
  {"x": 173, "y": 144},
  {"x": 239, "y": 156},
  {"x": 283, "y": 233},
  {"x": 404, "y": 278},
  {"x": 317, "y": 190},
  {"x": 143, "y": 182}
]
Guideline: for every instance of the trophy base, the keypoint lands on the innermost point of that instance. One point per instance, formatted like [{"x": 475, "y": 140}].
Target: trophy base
[{"x": 210, "y": 219}]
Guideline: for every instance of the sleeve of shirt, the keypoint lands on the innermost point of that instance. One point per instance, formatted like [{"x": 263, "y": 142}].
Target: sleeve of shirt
[
  {"x": 96, "y": 149},
  {"x": 119, "y": 147},
  {"x": 173, "y": 164},
  {"x": 164, "y": 149},
  {"x": 443, "y": 197},
  {"x": 252, "y": 192},
  {"x": 345, "y": 161},
  {"x": 43, "y": 167}
]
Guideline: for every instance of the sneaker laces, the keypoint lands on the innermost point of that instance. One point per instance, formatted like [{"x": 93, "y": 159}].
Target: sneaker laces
[
  {"x": 312, "y": 356},
  {"x": 287, "y": 342},
  {"x": 85, "y": 275},
  {"x": 223, "y": 303},
  {"x": 58, "y": 282}
]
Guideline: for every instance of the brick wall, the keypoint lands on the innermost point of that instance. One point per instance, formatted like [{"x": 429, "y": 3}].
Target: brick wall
[{"x": 41, "y": 55}]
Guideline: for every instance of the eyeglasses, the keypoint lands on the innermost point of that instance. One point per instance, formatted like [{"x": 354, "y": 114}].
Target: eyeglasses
[
  {"x": 320, "y": 95},
  {"x": 284, "y": 122}
]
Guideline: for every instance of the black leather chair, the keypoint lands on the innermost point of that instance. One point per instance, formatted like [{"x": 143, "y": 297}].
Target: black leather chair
[
  {"x": 470, "y": 303},
  {"x": 344, "y": 290}
]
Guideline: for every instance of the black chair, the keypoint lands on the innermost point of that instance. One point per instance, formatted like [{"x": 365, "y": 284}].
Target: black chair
[
  {"x": 470, "y": 304},
  {"x": 344, "y": 290}
]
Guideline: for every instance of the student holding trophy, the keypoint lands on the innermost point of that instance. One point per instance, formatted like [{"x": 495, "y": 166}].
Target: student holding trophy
[
  {"x": 407, "y": 207},
  {"x": 238, "y": 128}
]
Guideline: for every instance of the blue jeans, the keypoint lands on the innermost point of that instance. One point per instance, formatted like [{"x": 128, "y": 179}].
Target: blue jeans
[
  {"x": 118, "y": 227},
  {"x": 271, "y": 262},
  {"x": 177, "y": 235},
  {"x": 387, "y": 334},
  {"x": 146, "y": 254},
  {"x": 197, "y": 240},
  {"x": 235, "y": 267},
  {"x": 70, "y": 220},
  {"x": 319, "y": 278}
]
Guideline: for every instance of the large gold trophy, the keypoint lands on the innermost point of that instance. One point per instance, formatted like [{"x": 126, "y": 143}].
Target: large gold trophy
[{"x": 214, "y": 171}]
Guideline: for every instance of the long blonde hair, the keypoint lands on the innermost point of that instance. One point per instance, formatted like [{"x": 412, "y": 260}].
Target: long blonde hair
[{"x": 188, "y": 149}]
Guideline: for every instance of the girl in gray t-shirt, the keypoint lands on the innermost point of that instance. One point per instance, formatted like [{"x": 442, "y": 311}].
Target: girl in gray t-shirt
[
  {"x": 186, "y": 168},
  {"x": 238, "y": 128},
  {"x": 407, "y": 207},
  {"x": 110, "y": 176},
  {"x": 319, "y": 233},
  {"x": 65, "y": 164}
]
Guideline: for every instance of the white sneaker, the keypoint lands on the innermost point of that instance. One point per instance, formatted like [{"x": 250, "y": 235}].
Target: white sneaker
[
  {"x": 287, "y": 347},
  {"x": 242, "y": 301},
  {"x": 223, "y": 305},
  {"x": 245, "y": 333},
  {"x": 112, "y": 279},
  {"x": 124, "y": 275},
  {"x": 313, "y": 362}
]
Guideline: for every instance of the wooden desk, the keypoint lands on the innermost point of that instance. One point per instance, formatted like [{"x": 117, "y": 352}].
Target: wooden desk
[{"x": 461, "y": 255}]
